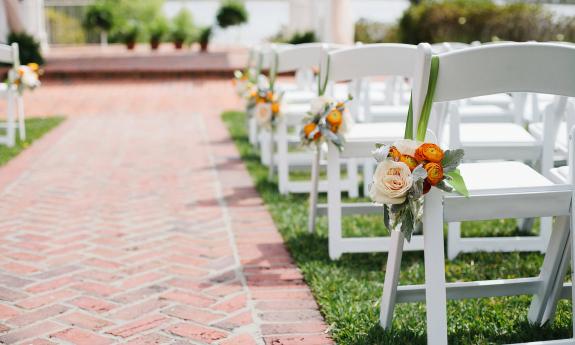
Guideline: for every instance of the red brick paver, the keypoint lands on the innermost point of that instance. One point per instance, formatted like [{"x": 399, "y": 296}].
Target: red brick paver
[{"x": 136, "y": 222}]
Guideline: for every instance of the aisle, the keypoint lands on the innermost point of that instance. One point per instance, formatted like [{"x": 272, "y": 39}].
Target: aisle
[{"x": 140, "y": 224}]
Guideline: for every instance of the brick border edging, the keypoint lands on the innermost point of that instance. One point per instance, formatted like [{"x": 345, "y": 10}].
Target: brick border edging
[
  {"x": 10, "y": 172},
  {"x": 285, "y": 309}
]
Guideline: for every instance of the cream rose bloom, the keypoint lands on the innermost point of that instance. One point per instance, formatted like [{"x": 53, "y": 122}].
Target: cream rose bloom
[
  {"x": 263, "y": 112},
  {"x": 407, "y": 146},
  {"x": 391, "y": 182},
  {"x": 318, "y": 104}
]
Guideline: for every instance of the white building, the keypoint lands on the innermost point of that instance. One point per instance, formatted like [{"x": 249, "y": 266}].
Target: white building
[{"x": 29, "y": 15}]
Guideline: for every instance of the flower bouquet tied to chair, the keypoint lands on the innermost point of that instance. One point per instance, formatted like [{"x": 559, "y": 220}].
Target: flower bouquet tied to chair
[{"x": 408, "y": 169}]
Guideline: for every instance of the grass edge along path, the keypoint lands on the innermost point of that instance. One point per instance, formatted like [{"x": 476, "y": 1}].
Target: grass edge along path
[
  {"x": 36, "y": 128},
  {"x": 348, "y": 290}
]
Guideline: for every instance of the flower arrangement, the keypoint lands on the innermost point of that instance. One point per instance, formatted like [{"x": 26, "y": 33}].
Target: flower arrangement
[
  {"x": 266, "y": 105},
  {"x": 25, "y": 77},
  {"x": 326, "y": 120},
  {"x": 242, "y": 83},
  {"x": 409, "y": 168}
]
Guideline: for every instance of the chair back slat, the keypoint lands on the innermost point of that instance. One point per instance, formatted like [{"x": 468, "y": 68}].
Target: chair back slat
[
  {"x": 508, "y": 67},
  {"x": 372, "y": 60},
  {"x": 303, "y": 56},
  {"x": 9, "y": 53}
]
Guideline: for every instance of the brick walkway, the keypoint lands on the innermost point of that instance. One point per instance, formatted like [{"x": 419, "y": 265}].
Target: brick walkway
[{"x": 135, "y": 222}]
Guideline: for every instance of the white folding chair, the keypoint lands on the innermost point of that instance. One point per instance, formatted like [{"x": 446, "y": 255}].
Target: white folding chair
[
  {"x": 15, "y": 110},
  {"x": 352, "y": 64},
  {"x": 298, "y": 58},
  {"x": 497, "y": 189}
]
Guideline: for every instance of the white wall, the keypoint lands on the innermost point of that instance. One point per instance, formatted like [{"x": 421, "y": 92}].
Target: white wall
[{"x": 3, "y": 24}]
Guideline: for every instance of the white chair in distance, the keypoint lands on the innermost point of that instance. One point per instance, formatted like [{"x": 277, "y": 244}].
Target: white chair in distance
[
  {"x": 9, "y": 54},
  {"x": 352, "y": 64},
  {"x": 293, "y": 59},
  {"x": 497, "y": 189}
]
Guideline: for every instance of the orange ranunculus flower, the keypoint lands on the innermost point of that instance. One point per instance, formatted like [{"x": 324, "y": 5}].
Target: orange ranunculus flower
[
  {"x": 310, "y": 127},
  {"x": 334, "y": 128},
  {"x": 429, "y": 152},
  {"x": 270, "y": 95},
  {"x": 394, "y": 153},
  {"x": 34, "y": 66},
  {"x": 409, "y": 161},
  {"x": 334, "y": 118},
  {"x": 275, "y": 107},
  {"x": 434, "y": 173}
]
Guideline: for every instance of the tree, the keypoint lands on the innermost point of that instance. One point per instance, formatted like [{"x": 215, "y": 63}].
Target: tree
[
  {"x": 100, "y": 16},
  {"x": 232, "y": 13}
]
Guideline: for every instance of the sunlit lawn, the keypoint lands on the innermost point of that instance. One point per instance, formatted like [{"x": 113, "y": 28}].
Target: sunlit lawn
[
  {"x": 348, "y": 290},
  {"x": 35, "y": 129}
]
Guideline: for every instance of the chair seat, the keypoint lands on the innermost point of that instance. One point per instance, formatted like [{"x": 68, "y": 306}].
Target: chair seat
[
  {"x": 388, "y": 112},
  {"x": 561, "y": 145},
  {"x": 560, "y": 175},
  {"x": 295, "y": 109},
  {"x": 298, "y": 96},
  {"x": 492, "y": 134},
  {"x": 485, "y": 113},
  {"x": 500, "y": 99},
  {"x": 375, "y": 132},
  {"x": 501, "y": 175}
]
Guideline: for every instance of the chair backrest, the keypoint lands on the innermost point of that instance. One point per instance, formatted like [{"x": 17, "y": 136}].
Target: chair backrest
[
  {"x": 301, "y": 56},
  {"x": 9, "y": 54},
  {"x": 383, "y": 59},
  {"x": 488, "y": 69}
]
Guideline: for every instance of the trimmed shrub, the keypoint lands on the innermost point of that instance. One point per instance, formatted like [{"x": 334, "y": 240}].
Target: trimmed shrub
[
  {"x": 28, "y": 46},
  {"x": 232, "y": 13},
  {"x": 183, "y": 29}
]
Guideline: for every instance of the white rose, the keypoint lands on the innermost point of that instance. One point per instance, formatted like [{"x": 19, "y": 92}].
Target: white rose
[
  {"x": 407, "y": 146},
  {"x": 317, "y": 105},
  {"x": 263, "y": 113},
  {"x": 391, "y": 182}
]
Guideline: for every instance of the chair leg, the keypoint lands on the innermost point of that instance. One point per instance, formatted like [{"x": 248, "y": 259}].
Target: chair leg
[
  {"x": 391, "y": 279},
  {"x": 353, "y": 179},
  {"x": 554, "y": 262},
  {"x": 10, "y": 121},
  {"x": 453, "y": 239},
  {"x": 334, "y": 201},
  {"x": 253, "y": 131},
  {"x": 434, "y": 258},
  {"x": 314, "y": 190},
  {"x": 282, "y": 158},
  {"x": 271, "y": 166},
  {"x": 21, "y": 118}
]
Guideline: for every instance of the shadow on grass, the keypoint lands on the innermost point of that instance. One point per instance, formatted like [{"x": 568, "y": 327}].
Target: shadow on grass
[{"x": 348, "y": 290}]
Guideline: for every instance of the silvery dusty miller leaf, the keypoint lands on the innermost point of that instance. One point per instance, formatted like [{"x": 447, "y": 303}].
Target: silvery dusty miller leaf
[
  {"x": 452, "y": 159},
  {"x": 381, "y": 153}
]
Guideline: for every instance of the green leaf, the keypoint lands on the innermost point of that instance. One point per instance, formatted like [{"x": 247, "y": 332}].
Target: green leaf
[
  {"x": 428, "y": 103},
  {"x": 409, "y": 123},
  {"x": 455, "y": 180},
  {"x": 452, "y": 159}
]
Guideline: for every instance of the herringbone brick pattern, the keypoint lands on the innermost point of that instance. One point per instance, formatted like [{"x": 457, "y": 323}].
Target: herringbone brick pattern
[{"x": 140, "y": 225}]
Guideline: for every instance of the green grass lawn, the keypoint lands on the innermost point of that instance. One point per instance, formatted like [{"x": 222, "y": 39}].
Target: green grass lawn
[
  {"x": 35, "y": 129},
  {"x": 348, "y": 290}
]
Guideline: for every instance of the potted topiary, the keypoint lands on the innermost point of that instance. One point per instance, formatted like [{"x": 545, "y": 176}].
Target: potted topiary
[
  {"x": 157, "y": 31},
  {"x": 130, "y": 34},
  {"x": 204, "y": 38},
  {"x": 99, "y": 16},
  {"x": 232, "y": 13},
  {"x": 182, "y": 28},
  {"x": 28, "y": 46}
]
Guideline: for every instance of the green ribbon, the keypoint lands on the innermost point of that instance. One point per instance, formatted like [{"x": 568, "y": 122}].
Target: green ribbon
[
  {"x": 428, "y": 103},
  {"x": 409, "y": 123},
  {"x": 321, "y": 88}
]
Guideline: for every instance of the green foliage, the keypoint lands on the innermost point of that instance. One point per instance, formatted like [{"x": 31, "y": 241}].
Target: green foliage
[
  {"x": 367, "y": 31},
  {"x": 131, "y": 32},
  {"x": 205, "y": 35},
  {"x": 99, "y": 16},
  {"x": 28, "y": 46},
  {"x": 481, "y": 20},
  {"x": 64, "y": 29},
  {"x": 303, "y": 37},
  {"x": 348, "y": 290},
  {"x": 231, "y": 13},
  {"x": 183, "y": 29},
  {"x": 158, "y": 28}
]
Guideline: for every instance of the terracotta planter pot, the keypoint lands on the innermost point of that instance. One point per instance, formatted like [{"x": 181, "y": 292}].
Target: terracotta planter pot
[
  {"x": 154, "y": 44},
  {"x": 178, "y": 44},
  {"x": 130, "y": 45},
  {"x": 203, "y": 47}
]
